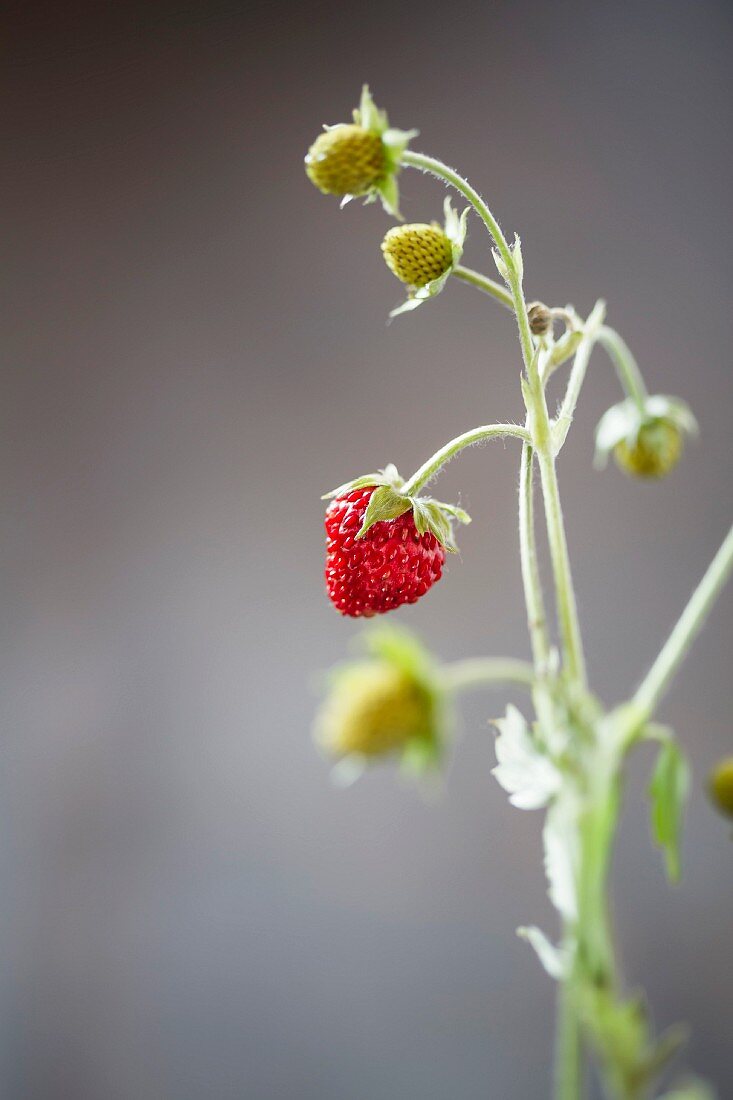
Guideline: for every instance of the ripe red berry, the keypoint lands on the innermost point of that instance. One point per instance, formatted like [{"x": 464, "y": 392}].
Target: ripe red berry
[{"x": 390, "y": 565}]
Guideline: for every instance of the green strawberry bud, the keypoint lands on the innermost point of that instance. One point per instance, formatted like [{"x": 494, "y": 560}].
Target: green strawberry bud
[
  {"x": 655, "y": 451},
  {"x": 346, "y": 160},
  {"x": 721, "y": 786},
  {"x": 417, "y": 254},
  {"x": 391, "y": 704},
  {"x": 374, "y": 709}
]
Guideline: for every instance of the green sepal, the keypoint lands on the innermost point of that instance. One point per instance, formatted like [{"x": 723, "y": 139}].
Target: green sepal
[
  {"x": 394, "y": 142},
  {"x": 388, "y": 502},
  {"x": 455, "y": 230},
  {"x": 384, "y": 504},
  {"x": 388, "y": 476},
  {"x": 517, "y": 257},
  {"x": 668, "y": 792}
]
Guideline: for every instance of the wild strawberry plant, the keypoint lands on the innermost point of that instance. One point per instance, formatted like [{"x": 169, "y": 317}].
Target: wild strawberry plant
[{"x": 386, "y": 546}]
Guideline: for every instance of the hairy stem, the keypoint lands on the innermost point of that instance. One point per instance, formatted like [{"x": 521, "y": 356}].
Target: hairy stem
[
  {"x": 688, "y": 625},
  {"x": 564, "y": 417},
  {"x": 449, "y": 175},
  {"x": 482, "y": 282},
  {"x": 626, "y": 366},
  {"x": 430, "y": 468},
  {"x": 567, "y": 611},
  {"x": 536, "y": 616},
  {"x": 477, "y": 672},
  {"x": 568, "y": 1046}
]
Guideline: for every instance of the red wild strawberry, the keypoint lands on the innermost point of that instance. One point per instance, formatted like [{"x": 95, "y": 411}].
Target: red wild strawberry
[{"x": 389, "y": 565}]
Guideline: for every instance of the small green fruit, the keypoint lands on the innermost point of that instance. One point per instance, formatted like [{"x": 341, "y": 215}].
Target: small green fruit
[
  {"x": 417, "y": 254},
  {"x": 374, "y": 709},
  {"x": 655, "y": 451},
  {"x": 721, "y": 785},
  {"x": 346, "y": 160}
]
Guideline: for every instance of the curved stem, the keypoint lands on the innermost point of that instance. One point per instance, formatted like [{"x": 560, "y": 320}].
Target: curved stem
[
  {"x": 626, "y": 366},
  {"x": 536, "y": 616},
  {"x": 577, "y": 375},
  {"x": 532, "y": 584},
  {"x": 449, "y": 175},
  {"x": 477, "y": 672},
  {"x": 481, "y": 282},
  {"x": 430, "y": 468},
  {"x": 567, "y": 611},
  {"x": 690, "y": 622}
]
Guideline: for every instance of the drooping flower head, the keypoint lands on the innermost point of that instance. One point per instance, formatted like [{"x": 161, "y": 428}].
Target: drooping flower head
[
  {"x": 387, "y": 705},
  {"x": 360, "y": 158},
  {"x": 647, "y": 440}
]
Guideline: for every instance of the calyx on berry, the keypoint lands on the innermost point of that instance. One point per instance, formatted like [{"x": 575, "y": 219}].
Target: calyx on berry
[
  {"x": 388, "y": 502},
  {"x": 423, "y": 256},
  {"x": 646, "y": 438},
  {"x": 360, "y": 158}
]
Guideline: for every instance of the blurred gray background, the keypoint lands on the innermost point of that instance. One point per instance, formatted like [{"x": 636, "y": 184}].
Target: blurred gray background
[{"x": 195, "y": 349}]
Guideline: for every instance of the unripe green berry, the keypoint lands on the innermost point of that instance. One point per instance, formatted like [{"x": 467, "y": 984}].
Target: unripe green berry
[
  {"x": 417, "y": 254},
  {"x": 721, "y": 786},
  {"x": 373, "y": 709},
  {"x": 655, "y": 452},
  {"x": 346, "y": 160}
]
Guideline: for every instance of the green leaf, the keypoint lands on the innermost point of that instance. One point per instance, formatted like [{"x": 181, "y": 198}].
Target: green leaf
[
  {"x": 523, "y": 769},
  {"x": 384, "y": 504},
  {"x": 562, "y": 854},
  {"x": 668, "y": 791}
]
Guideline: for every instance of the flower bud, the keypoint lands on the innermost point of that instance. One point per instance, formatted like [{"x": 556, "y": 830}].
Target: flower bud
[
  {"x": 374, "y": 709},
  {"x": 417, "y": 254},
  {"x": 721, "y": 786},
  {"x": 655, "y": 451},
  {"x": 540, "y": 319},
  {"x": 346, "y": 160}
]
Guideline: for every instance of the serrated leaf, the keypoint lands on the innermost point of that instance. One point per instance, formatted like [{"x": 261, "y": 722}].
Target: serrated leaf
[
  {"x": 552, "y": 958},
  {"x": 523, "y": 770},
  {"x": 562, "y": 855},
  {"x": 668, "y": 792},
  {"x": 384, "y": 504}
]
